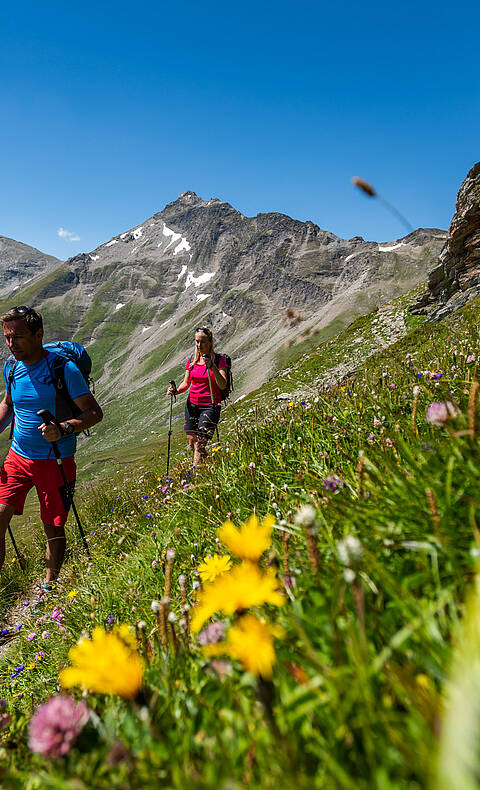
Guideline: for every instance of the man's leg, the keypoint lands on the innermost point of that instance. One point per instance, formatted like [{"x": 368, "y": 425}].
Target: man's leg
[
  {"x": 56, "y": 543},
  {"x": 54, "y": 506},
  {"x": 6, "y": 513}
]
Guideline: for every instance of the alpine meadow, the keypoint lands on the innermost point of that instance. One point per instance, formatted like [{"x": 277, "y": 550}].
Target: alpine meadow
[{"x": 302, "y": 609}]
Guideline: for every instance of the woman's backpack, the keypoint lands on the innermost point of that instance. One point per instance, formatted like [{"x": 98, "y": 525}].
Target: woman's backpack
[{"x": 229, "y": 388}]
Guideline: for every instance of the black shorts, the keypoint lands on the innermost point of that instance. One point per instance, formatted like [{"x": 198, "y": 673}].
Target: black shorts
[{"x": 201, "y": 419}]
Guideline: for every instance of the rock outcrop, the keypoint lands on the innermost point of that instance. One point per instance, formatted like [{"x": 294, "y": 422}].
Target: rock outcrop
[
  {"x": 20, "y": 264},
  {"x": 456, "y": 279}
]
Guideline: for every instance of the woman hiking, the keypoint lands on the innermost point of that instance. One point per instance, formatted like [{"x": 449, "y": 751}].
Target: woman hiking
[{"x": 205, "y": 376}]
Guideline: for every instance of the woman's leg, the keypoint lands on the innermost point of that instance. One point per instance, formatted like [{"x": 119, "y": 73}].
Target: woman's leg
[
  {"x": 191, "y": 438},
  {"x": 200, "y": 450},
  {"x": 191, "y": 425},
  {"x": 207, "y": 422}
]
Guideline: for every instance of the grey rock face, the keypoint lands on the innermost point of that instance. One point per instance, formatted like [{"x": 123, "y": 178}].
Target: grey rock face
[
  {"x": 137, "y": 298},
  {"x": 20, "y": 264},
  {"x": 456, "y": 279}
]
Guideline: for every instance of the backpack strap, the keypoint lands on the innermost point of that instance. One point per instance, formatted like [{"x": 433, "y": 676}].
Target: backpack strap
[
  {"x": 56, "y": 367},
  {"x": 11, "y": 362}
]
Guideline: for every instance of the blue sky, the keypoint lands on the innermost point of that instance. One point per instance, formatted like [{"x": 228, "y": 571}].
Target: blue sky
[{"x": 110, "y": 110}]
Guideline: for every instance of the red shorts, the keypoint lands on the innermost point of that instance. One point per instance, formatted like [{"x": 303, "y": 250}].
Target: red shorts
[{"x": 18, "y": 475}]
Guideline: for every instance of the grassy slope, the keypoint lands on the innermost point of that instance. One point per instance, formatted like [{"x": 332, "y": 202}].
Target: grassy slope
[{"x": 361, "y": 670}]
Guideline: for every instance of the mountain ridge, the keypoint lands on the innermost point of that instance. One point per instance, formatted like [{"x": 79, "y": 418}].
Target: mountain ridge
[{"x": 135, "y": 299}]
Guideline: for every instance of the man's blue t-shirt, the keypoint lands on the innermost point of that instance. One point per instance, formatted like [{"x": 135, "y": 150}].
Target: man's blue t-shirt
[{"x": 32, "y": 389}]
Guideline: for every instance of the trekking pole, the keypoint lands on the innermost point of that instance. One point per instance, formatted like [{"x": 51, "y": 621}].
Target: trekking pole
[
  {"x": 172, "y": 396},
  {"x": 212, "y": 399},
  {"x": 19, "y": 556},
  {"x": 48, "y": 418}
]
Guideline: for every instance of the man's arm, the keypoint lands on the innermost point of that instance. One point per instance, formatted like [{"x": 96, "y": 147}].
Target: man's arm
[
  {"x": 6, "y": 412},
  {"x": 90, "y": 415}
]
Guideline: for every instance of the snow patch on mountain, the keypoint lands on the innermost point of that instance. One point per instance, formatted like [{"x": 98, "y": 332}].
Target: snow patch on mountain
[
  {"x": 109, "y": 243},
  {"x": 184, "y": 245},
  {"x": 201, "y": 297},
  {"x": 394, "y": 247},
  {"x": 196, "y": 281},
  {"x": 182, "y": 271},
  {"x": 94, "y": 257},
  {"x": 175, "y": 237},
  {"x": 119, "y": 306}
]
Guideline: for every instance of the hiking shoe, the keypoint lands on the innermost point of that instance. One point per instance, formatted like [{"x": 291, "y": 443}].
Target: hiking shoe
[{"x": 46, "y": 589}]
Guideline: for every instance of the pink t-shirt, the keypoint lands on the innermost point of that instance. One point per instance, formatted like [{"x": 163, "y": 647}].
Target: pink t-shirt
[{"x": 199, "y": 388}]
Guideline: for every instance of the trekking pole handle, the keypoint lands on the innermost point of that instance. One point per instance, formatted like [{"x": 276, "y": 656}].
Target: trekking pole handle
[
  {"x": 174, "y": 393},
  {"x": 48, "y": 419}
]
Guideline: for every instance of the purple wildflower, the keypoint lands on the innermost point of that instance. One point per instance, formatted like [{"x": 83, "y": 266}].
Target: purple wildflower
[
  {"x": 56, "y": 725},
  {"x": 4, "y": 632},
  {"x": 149, "y": 515},
  {"x": 214, "y": 632},
  {"x": 331, "y": 483},
  {"x": 17, "y": 671},
  {"x": 145, "y": 496},
  {"x": 110, "y": 619},
  {"x": 31, "y": 636},
  {"x": 440, "y": 412},
  {"x": 470, "y": 359}
]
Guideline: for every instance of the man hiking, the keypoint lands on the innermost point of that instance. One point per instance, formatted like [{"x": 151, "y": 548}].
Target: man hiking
[{"x": 30, "y": 462}]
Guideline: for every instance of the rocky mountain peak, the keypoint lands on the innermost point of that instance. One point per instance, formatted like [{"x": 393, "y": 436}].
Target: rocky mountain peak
[
  {"x": 456, "y": 279},
  {"x": 20, "y": 264}
]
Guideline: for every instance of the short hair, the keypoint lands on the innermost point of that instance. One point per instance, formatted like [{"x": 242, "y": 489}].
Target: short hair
[{"x": 32, "y": 319}]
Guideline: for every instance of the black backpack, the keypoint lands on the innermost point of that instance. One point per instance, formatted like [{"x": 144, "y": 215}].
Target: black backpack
[{"x": 224, "y": 394}]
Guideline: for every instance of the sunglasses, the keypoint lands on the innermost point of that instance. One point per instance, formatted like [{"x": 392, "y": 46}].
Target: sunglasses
[
  {"x": 203, "y": 329},
  {"x": 22, "y": 309}
]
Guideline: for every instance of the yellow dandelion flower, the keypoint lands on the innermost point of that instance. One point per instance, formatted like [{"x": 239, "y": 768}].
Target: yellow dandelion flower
[
  {"x": 251, "y": 642},
  {"x": 244, "y": 586},
  {"x": 214, "y": 566},
  {"x": 72, "y": 593},
  {"x": 107, "y": 663},
  {"x": 251, "y": 540}
]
